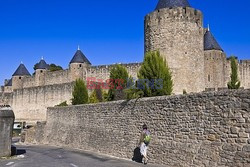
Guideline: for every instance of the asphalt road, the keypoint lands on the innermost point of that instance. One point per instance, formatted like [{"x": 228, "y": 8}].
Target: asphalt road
[{"x": 45, "y": 156}]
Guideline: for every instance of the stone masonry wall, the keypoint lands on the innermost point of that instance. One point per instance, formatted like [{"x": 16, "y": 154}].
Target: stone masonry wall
[
  {"x": 6, "y": 98},
  {"x": 178, "y": 34},
  {"x": 199, "y": 130},
  {"x": 215, "y": 69},
  {"x": 30, "y": 104},
  {"x": 103, "y": 72},
  {"x": 244, "y": 73}
]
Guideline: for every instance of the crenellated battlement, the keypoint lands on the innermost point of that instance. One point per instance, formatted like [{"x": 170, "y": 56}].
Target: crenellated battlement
[
  {"x": 186, "y": 14},
  {"x": 245, "y": 62},
  {"x": 214, "y": 55},
  {"x": 65, "y": 76},
  {"x": 103, "y": 71}
]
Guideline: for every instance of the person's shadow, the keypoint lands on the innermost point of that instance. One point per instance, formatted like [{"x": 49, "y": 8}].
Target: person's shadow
[
  {"x": 137, "y": 157},
  {"x": 16, "y": 152}
]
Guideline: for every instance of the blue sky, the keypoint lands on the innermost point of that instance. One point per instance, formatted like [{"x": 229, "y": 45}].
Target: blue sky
[{"x": 108, "y": 31}]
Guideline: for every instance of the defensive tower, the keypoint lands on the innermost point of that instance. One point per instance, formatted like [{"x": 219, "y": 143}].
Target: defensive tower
[
  {"x": 215, "y": 62},
  {"x": 18, "y": 76},
  {"x": 176, "y": 30},
  {"x": 78, "y": 65},
  {"x": 41, "y": 69}
]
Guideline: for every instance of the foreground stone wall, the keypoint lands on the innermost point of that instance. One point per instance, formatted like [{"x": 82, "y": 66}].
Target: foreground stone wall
[
  {"x": 6, "y": 126},
  {"x": 209, "y": 129}
]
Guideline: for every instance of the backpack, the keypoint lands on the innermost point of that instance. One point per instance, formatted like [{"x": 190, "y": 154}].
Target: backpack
[{"x": 147, "y": 137}]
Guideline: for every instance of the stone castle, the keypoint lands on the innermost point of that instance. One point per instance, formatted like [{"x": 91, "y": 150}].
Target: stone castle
[{"x": 196, "y": 60}]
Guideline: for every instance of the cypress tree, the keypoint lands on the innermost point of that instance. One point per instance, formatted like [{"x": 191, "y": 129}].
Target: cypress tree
[
  {"x": 80, "y": 93},
  {"x": 234, "y": 83},
  {"x": 157, "y": 76}
]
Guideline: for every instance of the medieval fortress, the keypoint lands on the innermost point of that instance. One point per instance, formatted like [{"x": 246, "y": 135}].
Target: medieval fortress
[{"x": 196, "y": 60}]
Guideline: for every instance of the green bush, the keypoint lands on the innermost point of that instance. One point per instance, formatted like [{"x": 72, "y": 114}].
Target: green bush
[
  {"x": 80, "y": 93},
  {"x": 118, "y": 76},
  {"x": 93, "y": 97},
  {"x": 63, "y": 104}
]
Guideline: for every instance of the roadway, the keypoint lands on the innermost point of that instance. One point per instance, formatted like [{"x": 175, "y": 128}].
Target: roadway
[{"x": 47, "y": 156}]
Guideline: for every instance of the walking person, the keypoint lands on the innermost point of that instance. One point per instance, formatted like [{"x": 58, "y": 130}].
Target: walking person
[{"x": 144, "y": 142}]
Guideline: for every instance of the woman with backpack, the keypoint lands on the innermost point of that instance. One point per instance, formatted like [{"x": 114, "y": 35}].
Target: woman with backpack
[{"x": 144, "y": 142}]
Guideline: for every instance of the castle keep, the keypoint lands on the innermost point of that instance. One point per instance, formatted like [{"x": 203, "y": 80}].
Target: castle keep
[{"x": 174, "y": 28}]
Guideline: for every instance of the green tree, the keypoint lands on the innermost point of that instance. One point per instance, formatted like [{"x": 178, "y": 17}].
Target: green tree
[
  {"x": 93, "y": 97},
  {"x": 96, "y": 96},
  {"x": 234, "y": 83},
  {"x": 156, "y": 74},
  {"x": 80, "y": 93},
  {"x": 118, "y": 82},
  {"x": 52, "y": 67}
]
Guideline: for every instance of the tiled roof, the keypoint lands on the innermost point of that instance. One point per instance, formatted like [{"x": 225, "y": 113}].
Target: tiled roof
[
  {"x": 172, "y": 3},
  {"x": 21, "y": 71},
  {"x": 210, "y": 42},
  {"x": 79, "y": 57},
  {"x": 42, "y": 65},
  {"x": 9, "y": 83}
]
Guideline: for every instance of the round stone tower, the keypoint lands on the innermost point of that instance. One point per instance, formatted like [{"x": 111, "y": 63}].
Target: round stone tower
[
  {"x": 78, "y": 65},
  {"x": 41, "y": 68},
  {"x": 176, "y": 30},
  {"x": 215, "y": 62}
]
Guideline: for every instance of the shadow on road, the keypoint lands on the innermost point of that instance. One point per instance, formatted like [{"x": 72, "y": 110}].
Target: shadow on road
[
  {"x": 16, "y": 152},
  {"x": 20, "y": 151},
  {"x": 137, "y": 155}
]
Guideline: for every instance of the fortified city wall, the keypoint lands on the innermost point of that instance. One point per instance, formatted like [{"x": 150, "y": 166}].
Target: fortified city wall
[
  {"x": 30, "y": 104},
  {"x": 199, "y": 130}
]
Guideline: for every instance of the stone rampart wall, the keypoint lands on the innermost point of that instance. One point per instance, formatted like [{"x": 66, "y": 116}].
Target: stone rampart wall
[
  {"x": 30, "y": 104},
  {"x": 199, "y": 130},
  {"x": 244, "y": 73}
]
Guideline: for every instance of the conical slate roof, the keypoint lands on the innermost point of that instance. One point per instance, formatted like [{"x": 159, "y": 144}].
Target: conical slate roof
[
  {"x": 21, "y": 71},
  {"x": 42, "y": 65},
  {"x": 9, "y": 83},
  {"x": 79, "y": 57},
  {"x": 210, "y": 42},
  {"x": 172, "y": 4}
]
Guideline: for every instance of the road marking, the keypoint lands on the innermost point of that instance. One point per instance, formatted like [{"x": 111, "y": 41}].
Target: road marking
[
  {"x": 10, "y": 163},
  {"x": 59, "y": 156},
  {"x": 73, "y": 165},
  {"x": 20, "y": 156}
]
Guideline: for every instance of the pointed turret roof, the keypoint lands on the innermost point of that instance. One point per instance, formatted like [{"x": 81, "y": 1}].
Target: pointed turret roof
[
  {"x": 21, "y": 71},
  {"x": 172, "y": 4},
  {"x": 79, "y": 57},
  {"x": 42, "y": 65},
  {"x": 9, "y": 83},
  {"x": 210, "y": 42}
]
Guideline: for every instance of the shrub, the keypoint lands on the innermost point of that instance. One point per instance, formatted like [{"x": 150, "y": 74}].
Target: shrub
[
  {"x": 118, "y": 82},
  {"x": 63, "y": 104},
  {"x": 80, "y": 93}
]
